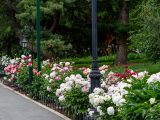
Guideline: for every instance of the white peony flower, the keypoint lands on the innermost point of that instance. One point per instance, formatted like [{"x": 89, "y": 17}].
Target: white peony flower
[
  {"x": 110, "y": 110},
  {"x": 22, "y": 61},
  {"x": 154, "y": 78},
  {"x": 85, "y": 89},
  {"x": 85, "y": 83},
  {"x": 91, "y": 113},
  {"x": 67, "y": 63},
  {"x": 152, "y": 100},
  {"x": 29, "y": 60},
  {"x": 116, "y": 98},
  {"x": 140, "y": 75},
  {"x": 61, "y": 63},
  {"x": 58, "y": 92},
  {"x": 121, "y": 102},
  {"x": 51, "y": 80},
  {"x": 46, "y": 77},
  {"x": 72, "y": 77},
  {"x": 102, "y": 72},
  {"x": 78, "y": 81},
  {"x": 13, "y": 61},
  {"x": 107, "y": 97},
  {"x": 103, "y": 84},
  {"x": 101, "y": 113},
  {"x": 12, "y": 75},
  {"x": 53, "y": 74},
  {"x": 68, "y": 88},
  {"x": 23, "y": 56},
  {"x": 98, "y": 108},
  {"x": 62, "y": 85},
  {"x": 78, "y": 76},
  {"x": 49, "y": 89},
  {"x": 69, "y": 83},
  {"x": 98, "y": 90},
  {"x": 61, "y": 98},
  {"x": 67, "y": 79}
]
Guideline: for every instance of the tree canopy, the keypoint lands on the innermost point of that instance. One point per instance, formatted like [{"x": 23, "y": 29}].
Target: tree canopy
[{"x": 67, "y": 23}]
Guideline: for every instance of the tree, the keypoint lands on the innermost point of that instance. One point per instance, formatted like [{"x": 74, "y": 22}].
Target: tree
[
  {"x": 9, "y": 27},
  {"x": 147, "y": 34},
  {"x": 122, "y": 41}
]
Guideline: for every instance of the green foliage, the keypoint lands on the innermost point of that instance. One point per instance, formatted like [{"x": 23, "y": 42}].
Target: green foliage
[
  {"x": 138, "y": 105},
  {"x": 105, "y": 115},
  {"x": 146, "y": 31},
  {"x": 8, "y": 41},
  {"x": 35, "y": 86},
  {"x": 76, "y": 101},
  {"x": 23, "y": 81},
  {"x": 22, "y": 78},
  {"x": 55, "y": 46}
]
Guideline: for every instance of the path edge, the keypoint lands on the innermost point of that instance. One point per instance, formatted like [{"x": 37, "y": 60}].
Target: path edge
[{"x": 39, "y": 104}]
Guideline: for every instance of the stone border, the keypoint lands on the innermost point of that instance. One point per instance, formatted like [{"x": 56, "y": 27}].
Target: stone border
[{"x": 39, "y": 104}]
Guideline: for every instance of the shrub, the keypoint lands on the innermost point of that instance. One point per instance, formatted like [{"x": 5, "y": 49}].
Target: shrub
[
  {"x": 73, "y": 94},
  {"x": 142, "y": 100},
  {"x": 56, "y": 45}
]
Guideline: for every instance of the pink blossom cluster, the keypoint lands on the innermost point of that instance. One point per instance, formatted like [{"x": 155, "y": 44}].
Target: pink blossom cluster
[
  {"x": 15, "y": 66},
  {"x": 10, "y": 69},
  {"x": 26, "y": 59},
  {"x": 46, "y": 63},
  {"x": 56, "y": 73},
  {"x": 103, "y": 69},
  {"x": 36, "y": 72},
  {"x": 62, "y": 67},
  {"x": 72, "y": 81}
]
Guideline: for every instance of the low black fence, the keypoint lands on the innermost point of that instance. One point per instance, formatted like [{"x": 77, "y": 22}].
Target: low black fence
[{"x": 49, "y": 102}]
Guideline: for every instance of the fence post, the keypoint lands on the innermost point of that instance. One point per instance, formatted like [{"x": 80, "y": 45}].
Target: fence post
[{"x": 30, "y": 74}]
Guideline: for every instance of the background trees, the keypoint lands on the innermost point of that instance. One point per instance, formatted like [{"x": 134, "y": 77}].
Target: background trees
[
  {"x": 66, "y": 27},
  {"x": 145, "y": 28}
]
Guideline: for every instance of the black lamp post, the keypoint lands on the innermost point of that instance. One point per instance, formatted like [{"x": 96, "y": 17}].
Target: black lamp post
[
  {"x": 95, "y": 73},
  {"x": 24, "y": 44}
]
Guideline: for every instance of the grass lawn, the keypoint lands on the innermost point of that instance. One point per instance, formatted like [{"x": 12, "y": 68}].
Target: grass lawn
[
  {"x": 148, "y": 66},
  {"x": 136, "y": 62}
]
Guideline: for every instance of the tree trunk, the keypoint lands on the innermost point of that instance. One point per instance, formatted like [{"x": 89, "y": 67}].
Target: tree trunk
[{"x": 122, "y": 41}]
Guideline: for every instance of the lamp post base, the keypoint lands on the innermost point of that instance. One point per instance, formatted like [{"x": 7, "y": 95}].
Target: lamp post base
[{"x": 95, "y": 76}]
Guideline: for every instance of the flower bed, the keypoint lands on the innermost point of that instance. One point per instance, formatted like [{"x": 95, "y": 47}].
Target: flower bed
[{"x": 122, "y": 96}]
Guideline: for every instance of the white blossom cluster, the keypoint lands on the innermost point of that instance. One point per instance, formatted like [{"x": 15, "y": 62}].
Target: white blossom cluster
[
  {"x": 5, "y": 60},
  {"x": 140, "y": 75},
  {"x": 97, "y": 98},
  {"x": 72, "y": 81},
  {"x": 45, "y": 62},
  {"x": 114, "y": 94},
  {"x": 154, "y": 78}
]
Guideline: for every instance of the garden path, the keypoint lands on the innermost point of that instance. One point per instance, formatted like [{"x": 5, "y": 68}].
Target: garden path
[{"x": 15, "y": 107}]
